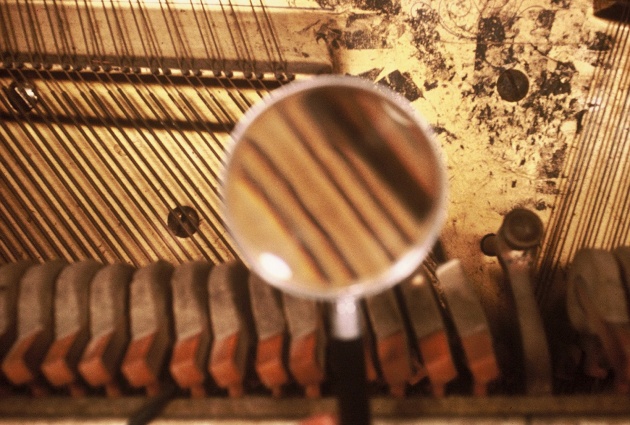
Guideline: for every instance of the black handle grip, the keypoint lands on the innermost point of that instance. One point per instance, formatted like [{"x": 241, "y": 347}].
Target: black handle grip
[
  {"x": 152, "y": 408},
  {"x": 348, "y": 375}
]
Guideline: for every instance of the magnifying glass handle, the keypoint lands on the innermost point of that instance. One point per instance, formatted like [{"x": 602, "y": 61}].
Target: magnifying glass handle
[{"x": 347, "y": 357}]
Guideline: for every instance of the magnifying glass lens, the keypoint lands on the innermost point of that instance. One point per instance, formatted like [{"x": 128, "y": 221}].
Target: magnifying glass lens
[{"x": 334, "y": 188}]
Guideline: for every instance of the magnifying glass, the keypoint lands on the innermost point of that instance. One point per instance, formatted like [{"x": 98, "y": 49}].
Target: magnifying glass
[{"x": 335, "y": 189}]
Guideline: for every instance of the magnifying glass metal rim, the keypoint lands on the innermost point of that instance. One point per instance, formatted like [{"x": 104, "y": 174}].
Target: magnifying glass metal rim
[{"x": 403, "y": 266}]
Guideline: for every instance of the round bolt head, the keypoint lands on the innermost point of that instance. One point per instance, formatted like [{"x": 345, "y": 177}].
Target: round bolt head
[
  {"x": 521, "y": 229},
  {"x": 183, "y": 221},
  {"x": 512, "y": 85}
]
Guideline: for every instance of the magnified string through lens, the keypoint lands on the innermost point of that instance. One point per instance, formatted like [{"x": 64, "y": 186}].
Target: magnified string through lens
[{"x": 339, "y": 183}]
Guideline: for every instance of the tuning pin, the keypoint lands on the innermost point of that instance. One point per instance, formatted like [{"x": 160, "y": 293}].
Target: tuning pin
[{"x": 22, "y": 96}]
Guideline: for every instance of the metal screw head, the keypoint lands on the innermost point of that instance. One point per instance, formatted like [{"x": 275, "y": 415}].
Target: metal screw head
[
  {"x": 512, "y": 85},
  {"x": 521, "y": 229},
  {"x": 22, "y": 96},
  {"x": 488, "y": 245},
  {"x": 183, "y": 221}
]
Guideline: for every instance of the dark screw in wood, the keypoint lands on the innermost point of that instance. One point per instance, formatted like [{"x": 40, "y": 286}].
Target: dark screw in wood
[
  {"x": 183, "y": 221},
  {"x": 512, "y": 85}
]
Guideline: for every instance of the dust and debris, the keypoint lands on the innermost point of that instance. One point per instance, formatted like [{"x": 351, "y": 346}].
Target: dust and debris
[
  {"x": 596, "y": 48},
  {"x": 546, "y": 18},
  {"x": 371, "y": 74},
  {"x": 517, "y": 132},
  {"x": 430, "y": 85},
  {"x": 556, "y": 82},
  {"x": 540, "y": 205},
  {"x": 331, "y": 34},
  {"x": 369, "y": 31},
  {"x": 500, "y": 154},
  {"x": 491, "y": 31},
  {"x": 601, "y": 42},
  {"x": 564, "y": 4},
  {"x": 549, "y": 187},
  {"x": 360, "y": 31},
  {"x": 426, "y": 39},
  {"x": 362, "y": 39},
  {"x": 327, "y": 4},
  {"x": 391, "y": 7},
  {"x": 444, "y": 133},
  {"x": 403, "y": 83},
  {"x": 552, "y": 162}
]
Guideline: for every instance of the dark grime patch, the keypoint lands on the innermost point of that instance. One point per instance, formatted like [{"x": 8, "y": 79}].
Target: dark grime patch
[
  {"x": 330, "y": 34},
  {"x": 548, "y": 187},
  {"x": 430, "y": 85},
  {"x": 440, "y": 130},
  {"x": 552, "y": 166},
  {"x": 601, "y": 42},
  {"x": 403, "y": 84},
  {"x": 545, "y": 18},
  {"x": 490, "y": 31},
  {"x": 557, "y": 82},
  {"x": 391, "y": 7},
  {"x": 563, "y": 4},
  {"x": 480, "y": 89},
  {"x": 364, "y": 39},
  {"x": 426, "y": 39}
]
